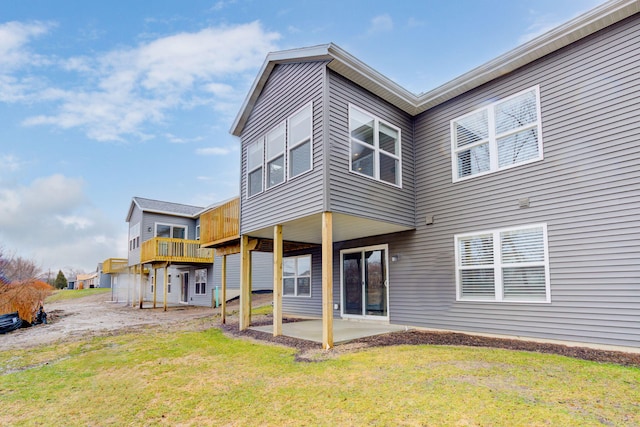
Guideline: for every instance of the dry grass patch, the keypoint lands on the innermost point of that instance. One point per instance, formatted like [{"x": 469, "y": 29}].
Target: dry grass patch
[{"x": 205, "y": 378}]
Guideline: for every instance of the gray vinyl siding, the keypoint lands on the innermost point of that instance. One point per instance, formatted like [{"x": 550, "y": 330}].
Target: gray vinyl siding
[
  {"x": 261, "y": 271},
  {"x": 150, "y": 219},
  {"x": 354, "y": 194},
  {"x": 586, "y": 190},
  {"x": 302, "y": 305},
  {"x": 134, "y": 255},
  {"x": 290, "y": 87}
]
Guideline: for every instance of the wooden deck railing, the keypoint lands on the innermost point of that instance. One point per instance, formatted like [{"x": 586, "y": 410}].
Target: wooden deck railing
[
  {"x": 114, "y": 265},
  {"x": 174, "y": 250},
  {"x": 220, "y": 224}
]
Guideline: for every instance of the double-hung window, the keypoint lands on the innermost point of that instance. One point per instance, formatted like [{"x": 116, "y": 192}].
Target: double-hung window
[
  {"x": 501, "y": 135},
  {"x": 275, "y": 156},
  {"x": 255, "y": 157},
  {"x": 299, "y": 140},
  {"x": 508, "y": 265},
  {"x": 375, "y": 147},
  {"x": 296, "y": 276},
  {"x": 283, "y": 153},
  {"x": 201, "y": 281}
]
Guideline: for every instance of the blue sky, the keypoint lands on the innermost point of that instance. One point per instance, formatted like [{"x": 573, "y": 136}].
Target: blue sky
[{"x": 102, "y": 101}]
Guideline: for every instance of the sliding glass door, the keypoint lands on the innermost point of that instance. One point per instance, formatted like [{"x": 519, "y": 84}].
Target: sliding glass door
[{"x": 364, "y": 282}]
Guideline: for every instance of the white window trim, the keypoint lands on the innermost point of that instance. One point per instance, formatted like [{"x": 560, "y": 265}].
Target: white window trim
[
  {"x": 384, "y": 247},
  {"x": 196, "y": 283},
  {"x": 296, "y": 295},
  {"x": 198, "y": 232},
  {"x": 290, "y": 146},
  {"x": 493, "y": 140},
  {"x": 257, "y": 141},
  {"x": 284, "y": 153},
  {"x": 498, "y": 266},
  {"x": 186, "y": 230},
  {"x": 376, "y": 147}
]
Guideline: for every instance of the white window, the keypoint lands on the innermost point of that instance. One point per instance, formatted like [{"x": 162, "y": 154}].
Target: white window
[
  {"x": 510, "y": 265},
  {"x": 375, "y": 147},
  {"x": 290, "y": 143},
  {"x": 197, "y": 232},
  {"x": 296, "y": 276},
  {"x": 201, "y": 281},
  {"x": 501, "y": 135},
  {"x": 172, "y": 231},
  {"x": 275, "y": 141},
  {"x": 299, "y": 140},
  {"x": 169, "y": 284},
  {"x": 255, "y": 158}
]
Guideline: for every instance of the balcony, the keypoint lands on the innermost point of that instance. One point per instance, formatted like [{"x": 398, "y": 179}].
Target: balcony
[
  {"x": 221, "y": 224},
  {"x": 114, "y": 265},
  {"x": 180, "y": 251}
]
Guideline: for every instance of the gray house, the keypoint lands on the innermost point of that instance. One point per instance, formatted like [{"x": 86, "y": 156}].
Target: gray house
[
  {"x": 506, "y": 201},
  {"x": 166, "y": 262}
]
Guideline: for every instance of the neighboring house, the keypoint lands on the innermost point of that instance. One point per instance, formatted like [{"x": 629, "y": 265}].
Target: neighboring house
[
  {"x": 166, "y": 263},
  {"x": 166, "y": 258},
  {"x": 71, "y": 282},
  {"x": 114, "y": 275},
  {"x": 87, "y": 281},
  {"x": 505, "y": 201},
  {"x": 104, "y": 279}
]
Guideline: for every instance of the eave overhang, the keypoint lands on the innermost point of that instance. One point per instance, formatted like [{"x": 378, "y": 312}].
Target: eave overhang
[{"x": 357, "y": 71}]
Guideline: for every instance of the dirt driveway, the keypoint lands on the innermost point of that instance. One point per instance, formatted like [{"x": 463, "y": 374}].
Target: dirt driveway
[{"x": 97, "y": 315}]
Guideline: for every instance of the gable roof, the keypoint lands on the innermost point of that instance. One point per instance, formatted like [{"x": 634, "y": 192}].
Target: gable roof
[
  {"x": 167, "y": 208},
  {"x": 360, "y": 73}
]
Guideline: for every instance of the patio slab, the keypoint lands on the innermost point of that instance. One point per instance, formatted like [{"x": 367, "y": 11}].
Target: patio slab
[{"x": 343, "y": 330}]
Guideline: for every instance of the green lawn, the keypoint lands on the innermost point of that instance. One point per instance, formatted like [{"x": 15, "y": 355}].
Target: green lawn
[
  {"x": 205, "y": 378},
  {"x": 75, "y": 293}
]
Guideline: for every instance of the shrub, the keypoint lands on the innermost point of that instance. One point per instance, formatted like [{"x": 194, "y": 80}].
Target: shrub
[{"x": 23, "y": 297}]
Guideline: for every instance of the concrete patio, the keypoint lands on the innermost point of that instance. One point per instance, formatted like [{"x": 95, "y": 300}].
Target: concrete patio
[{"x": 343, "y": 330}]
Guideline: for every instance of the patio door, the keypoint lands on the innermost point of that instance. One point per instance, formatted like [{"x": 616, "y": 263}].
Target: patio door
[
  {"x": 184, "y": 289},
  {"x": 364, "y": 282}
]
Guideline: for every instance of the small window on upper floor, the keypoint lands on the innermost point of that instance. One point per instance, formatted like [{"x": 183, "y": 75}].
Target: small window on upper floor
[
  {"x": 275, "y": 156},
  {"x": 299, "y": 138},
  {"x": 501, "y": 135},
  {"x": 375, "y": 147},
  {"x": 254, "y": 167}
]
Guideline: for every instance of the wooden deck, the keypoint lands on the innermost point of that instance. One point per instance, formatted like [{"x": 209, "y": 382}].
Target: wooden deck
[
  {"x": 220, "y": 225},
  {"x": 164, "y": 249}
]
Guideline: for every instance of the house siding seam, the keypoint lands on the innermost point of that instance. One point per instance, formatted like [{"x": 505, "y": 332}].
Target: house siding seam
[{"x": 358, "y": 195}]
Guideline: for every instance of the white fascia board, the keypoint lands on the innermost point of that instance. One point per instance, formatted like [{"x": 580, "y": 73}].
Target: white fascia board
[
  {"x": 313, "y": 53},
  {"x": 570, "y": 32},
  {"x": 355, "y": 70},
  {"x": 133, "y": 203}
]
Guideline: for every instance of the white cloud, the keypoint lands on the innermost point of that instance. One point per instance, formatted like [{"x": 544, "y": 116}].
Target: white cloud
[
  {"x": 128, "y": 92},
  {"x": 540, "y": 25},
  {"x": 10, "y": 163},
  {"x": 177, "y": 140},
  {"x": 75, "y": 221},
  {"x": 381, "y": 23},
  {"x": 212, "y": 151},
  {"x": 14, "y": 39},
  {"x": 51, "y": 221}
]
